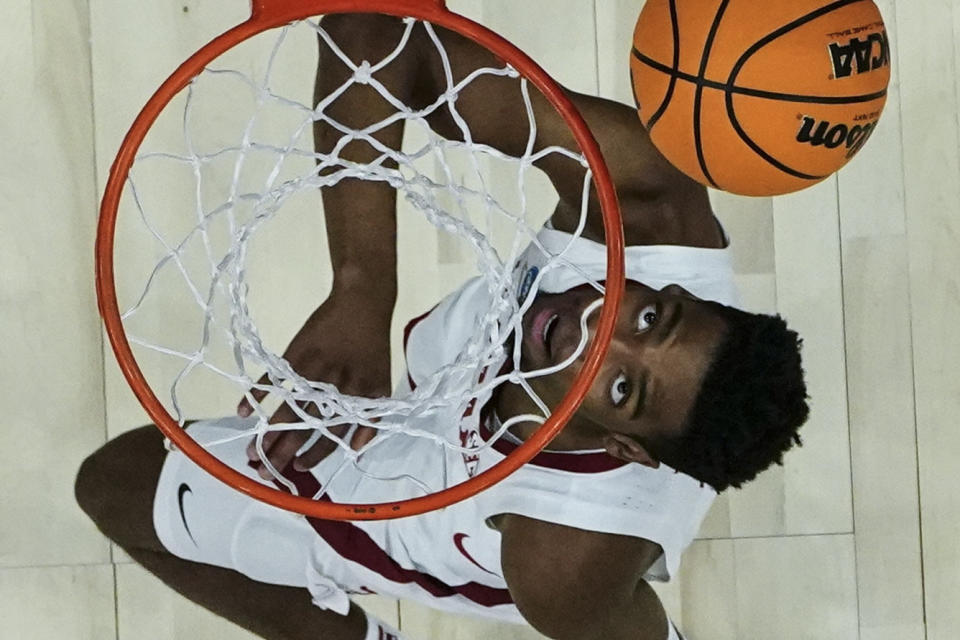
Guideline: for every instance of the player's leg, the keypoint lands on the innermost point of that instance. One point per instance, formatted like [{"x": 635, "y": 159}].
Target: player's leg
[{"x": 116, "y": 487}]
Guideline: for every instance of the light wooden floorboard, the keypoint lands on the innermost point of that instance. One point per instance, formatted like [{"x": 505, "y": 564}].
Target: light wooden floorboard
[
  {"x": 57, "y": 603},
  {"x": 51, "y": 383},
  {"x": 931, "y": 139},
  {"x": 807, "y": 587},
  {"x": 883, "y": 438},
  {"x": 815, "y": 482}
]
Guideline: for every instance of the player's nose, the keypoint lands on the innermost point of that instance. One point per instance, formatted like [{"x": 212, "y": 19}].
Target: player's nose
[{"x": 677, "y": 290}]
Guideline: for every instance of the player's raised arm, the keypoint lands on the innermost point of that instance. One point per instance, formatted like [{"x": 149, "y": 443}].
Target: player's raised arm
[
  {"x": 360, "y": 215},
  {"x": 346, "y": 341},
  {"x": 659, "y": 203}
]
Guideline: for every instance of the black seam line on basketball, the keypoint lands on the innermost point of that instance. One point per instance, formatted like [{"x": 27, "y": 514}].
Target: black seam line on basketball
[
  {"x": 759, "y": 150},
  {"x": 636, "y": 98},
  {"x": 757, "y": 93},
  {"x": 698, "y": 96},
  {"x": 782, "y": 31},
  {"x": 738, "y": 67},
  {"x": 673, "y": 71}
]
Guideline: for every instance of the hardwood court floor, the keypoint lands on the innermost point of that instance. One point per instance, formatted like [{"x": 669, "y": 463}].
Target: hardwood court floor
[{"x": 855, "y": 538}]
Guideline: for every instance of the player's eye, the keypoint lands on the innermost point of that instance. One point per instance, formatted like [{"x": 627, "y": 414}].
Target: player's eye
[
  {"x": 648, "y": 317},
  {"x": 620, "y": 389}
]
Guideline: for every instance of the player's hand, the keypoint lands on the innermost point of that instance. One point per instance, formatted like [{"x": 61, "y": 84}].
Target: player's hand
[{"x": 342, "y": 343}]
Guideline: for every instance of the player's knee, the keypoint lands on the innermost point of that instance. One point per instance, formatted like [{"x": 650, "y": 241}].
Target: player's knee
[
  {"x": 91, "y": 485},
  {"x": 121, "y": 473},
  {"x": 82, "y": 486}
]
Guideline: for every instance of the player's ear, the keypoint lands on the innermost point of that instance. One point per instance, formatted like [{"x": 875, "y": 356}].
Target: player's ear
[{"x": 626, "y": 448}]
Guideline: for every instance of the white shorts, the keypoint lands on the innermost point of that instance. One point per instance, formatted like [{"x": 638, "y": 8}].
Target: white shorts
[{"x": 198, "y": 518}]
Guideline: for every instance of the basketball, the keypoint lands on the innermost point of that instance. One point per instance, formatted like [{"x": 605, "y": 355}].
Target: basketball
[{"x": 760, "y": 99}]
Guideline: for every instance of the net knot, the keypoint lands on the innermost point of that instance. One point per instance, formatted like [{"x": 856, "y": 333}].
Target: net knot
[{"x": 363, "y": 74}]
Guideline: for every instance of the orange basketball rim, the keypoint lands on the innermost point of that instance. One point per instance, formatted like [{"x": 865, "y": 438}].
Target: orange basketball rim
[{"x": 269, "y": 14}]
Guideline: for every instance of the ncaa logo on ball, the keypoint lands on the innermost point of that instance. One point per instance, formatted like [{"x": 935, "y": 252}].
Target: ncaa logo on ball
[{"x": 859, "y": 55}]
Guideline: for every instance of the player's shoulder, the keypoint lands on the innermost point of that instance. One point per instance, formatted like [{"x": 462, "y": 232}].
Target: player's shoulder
[
  {"x": 548, "y": 548},
  {"x": 556, "y": 572}
]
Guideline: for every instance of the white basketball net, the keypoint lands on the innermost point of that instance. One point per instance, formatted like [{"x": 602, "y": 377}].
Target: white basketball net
[{"x": 200, "y": 207}]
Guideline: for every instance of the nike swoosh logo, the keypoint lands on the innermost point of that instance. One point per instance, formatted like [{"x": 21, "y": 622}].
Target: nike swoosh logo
[
  {"x": 182, "y": 491},
  {"x": 458, "y": 539}
]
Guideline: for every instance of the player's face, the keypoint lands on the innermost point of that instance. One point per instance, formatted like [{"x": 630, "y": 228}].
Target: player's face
[{"x": 647, "y": 385}]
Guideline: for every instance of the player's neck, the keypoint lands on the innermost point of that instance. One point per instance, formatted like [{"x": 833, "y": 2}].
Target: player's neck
[{"x": 511, "y": 401}]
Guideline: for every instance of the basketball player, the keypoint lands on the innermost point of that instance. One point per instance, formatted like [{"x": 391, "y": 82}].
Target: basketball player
[{"x": 693, "y": 398}]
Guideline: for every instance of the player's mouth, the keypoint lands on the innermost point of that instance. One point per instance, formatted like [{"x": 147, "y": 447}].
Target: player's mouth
[
  {"x": 551, "y": 327},
  {"x": 542, "y": 327},
  {"x": 538, "y": 325}
]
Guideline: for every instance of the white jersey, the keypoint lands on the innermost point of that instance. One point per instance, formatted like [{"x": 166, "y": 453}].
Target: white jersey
[{"x": 450, "y": 558}]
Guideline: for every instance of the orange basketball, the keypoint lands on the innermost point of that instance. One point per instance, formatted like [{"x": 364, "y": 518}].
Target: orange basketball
[{"x": 760, "y": 97}]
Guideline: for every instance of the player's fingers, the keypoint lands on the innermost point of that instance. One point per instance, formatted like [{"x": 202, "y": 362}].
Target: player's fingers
[
  {"x": 327, "y": 445},
  {"x": 362, "y": 436},
  {"x": 245, "y": 408},
  {"x": 269, "y": 439},
  {"x": 283, "y": 415},
  {"x": 283, "y": 451},
  {"x": 375, "y": 385},
  {"x": 315, "y": 454}
]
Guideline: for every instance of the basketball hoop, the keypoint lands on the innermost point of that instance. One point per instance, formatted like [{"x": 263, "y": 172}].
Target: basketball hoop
[{"x": 221, "y": 282}]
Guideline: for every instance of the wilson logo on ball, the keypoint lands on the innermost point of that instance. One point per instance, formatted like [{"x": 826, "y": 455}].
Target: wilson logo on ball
[
  {"x": 825, "y": 134},
  {"x": 860, "y": 56}
]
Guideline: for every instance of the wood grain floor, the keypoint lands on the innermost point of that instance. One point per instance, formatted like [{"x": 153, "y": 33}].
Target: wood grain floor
[{"x": 856, "y": 537}]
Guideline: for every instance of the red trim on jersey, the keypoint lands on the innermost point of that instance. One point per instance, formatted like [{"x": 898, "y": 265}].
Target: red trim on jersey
[
  {"x": 561, "y": 460},
  {"x": 354, "y": 544},
  {"x": 407, "y": 330}
]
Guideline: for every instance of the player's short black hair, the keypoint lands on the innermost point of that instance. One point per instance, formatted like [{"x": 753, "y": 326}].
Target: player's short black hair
[{"x": 752, "y": 402}]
